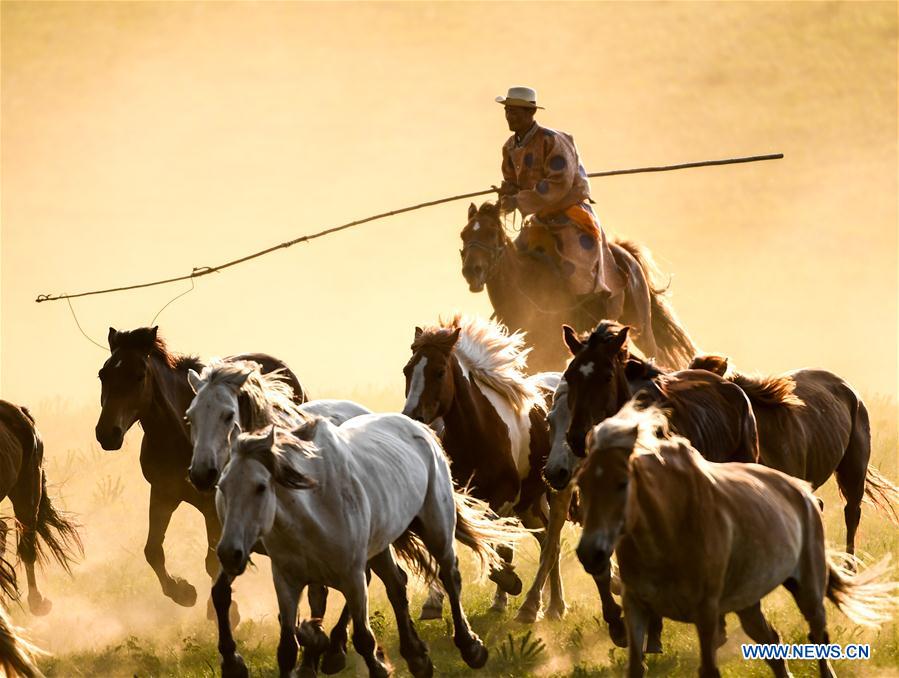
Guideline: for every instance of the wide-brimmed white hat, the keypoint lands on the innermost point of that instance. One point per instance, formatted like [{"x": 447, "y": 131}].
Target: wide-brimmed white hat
[{"x": 520, "y": 96}]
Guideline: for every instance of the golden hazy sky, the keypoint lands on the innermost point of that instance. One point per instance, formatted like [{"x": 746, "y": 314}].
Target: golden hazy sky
[{"x": 142, "y": 139}]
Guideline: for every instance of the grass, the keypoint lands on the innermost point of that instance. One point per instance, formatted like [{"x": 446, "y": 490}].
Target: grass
[{"x": 110, "y": 618}]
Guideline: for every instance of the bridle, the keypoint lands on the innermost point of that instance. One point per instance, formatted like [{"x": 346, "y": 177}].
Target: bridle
[{"x": 494, "y": 252}]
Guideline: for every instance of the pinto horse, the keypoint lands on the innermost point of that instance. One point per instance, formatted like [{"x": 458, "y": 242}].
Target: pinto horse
[
  {"x": 42, "y": 529},
  {"x": 696, "y": 540},
  {"x": 829, "y": 435},
  {"x": 328, "y": 502},
  {"x": 143, "y": 381},
  {"x": 228, "y": 395},
  {"x": 528, "y": 295},
  {"x": 468, "y": 373},
  {"x": 17, "y": 655}
]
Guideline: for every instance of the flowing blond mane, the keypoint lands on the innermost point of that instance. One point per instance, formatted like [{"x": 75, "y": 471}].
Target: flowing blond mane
[{"x": 492, "y": 357}]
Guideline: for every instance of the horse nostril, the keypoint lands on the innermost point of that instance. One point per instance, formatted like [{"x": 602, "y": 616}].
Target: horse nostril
[{"x": 117, "y": 433}]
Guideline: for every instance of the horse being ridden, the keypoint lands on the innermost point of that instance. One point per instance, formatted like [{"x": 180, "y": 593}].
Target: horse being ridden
[
  {"x": 329, "y": 502},
  {"x": 42, "y": 529},
  {"x": 696, "y": 540},
  {"x": 827, "y": 434},
  {"x": 143, "y": 381},
  {"x": 469, "y": 374},
  {"x": 230, "y": 395},
  {"x": 527, "y": 294}
]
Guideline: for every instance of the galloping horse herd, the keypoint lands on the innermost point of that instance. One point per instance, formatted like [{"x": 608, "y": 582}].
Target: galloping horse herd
[{"x": 698, "y": 480}]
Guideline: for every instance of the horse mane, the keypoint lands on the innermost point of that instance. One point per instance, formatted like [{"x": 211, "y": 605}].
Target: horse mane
[
  {"x": 138, "y": 340},
  {"x": 287, "y": 446},
  {"x": 265, "y": 398},
  {"x": 492, "y": 356},
  {"x": 764, "y": 391},
  {"x": 640, "y": 368}
]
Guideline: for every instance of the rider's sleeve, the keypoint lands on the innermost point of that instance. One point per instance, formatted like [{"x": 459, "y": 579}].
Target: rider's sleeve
[
  {"x": 559, "y": 169},
  {"x": 508, "y": 167}
]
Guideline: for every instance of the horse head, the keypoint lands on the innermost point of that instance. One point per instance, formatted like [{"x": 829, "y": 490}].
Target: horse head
[
  {"x": 429, "y": 374},
  {"x": 597, "y": 387},
  {"x": 604, "y": 478},
  {"x": 483, "y": 242},
  {"x": 125, "y": 383}
]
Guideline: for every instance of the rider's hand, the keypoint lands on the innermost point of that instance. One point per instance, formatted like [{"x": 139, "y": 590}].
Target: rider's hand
[
  {"x": 507, "y": 188},
  {"x": 507, "y": 203}
]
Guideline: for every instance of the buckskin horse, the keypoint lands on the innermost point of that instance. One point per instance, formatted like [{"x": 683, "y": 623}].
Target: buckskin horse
[
  {"x": 528, "y": 295},
  {"x": 829, "y": 434},
  {"x": 696, "y": 540},
  {"x": 42, "y": 529},
  {"x": 468, "y": 373},
  {"x": 143, "y": 381}
]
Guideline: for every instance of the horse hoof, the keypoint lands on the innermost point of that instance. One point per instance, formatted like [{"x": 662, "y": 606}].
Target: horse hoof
[
  {"x": 618, "y": 633},
  {"x": 312, "y": 638},
  {"x": 428, "y": 612},
  {"x": 507, "y": 581},
  {"x": 234, "y": 667},
  {"x": 183, "y": 593},
  {"x": 306, "y": 672},
  {"x": 333, "y": 662},
  {"x": 654, "y": 646},
  {"x": 475, "y": 655},
  {"x": 39, "y": 606},
  {"x": 556, "y": 612},
  {"x": 527, "y": 615},
  {"x": 421, "y": 666}
]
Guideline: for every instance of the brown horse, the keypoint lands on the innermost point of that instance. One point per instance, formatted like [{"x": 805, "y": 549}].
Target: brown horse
[
  {"x": 829, "y": 435},
  {"x": 42, "y": 529},
  {"x": 468, "y": 373},
  {"x": 143, "y": 381},
  {"x": 696, "y": 540},
  {"x": 528, "y": 295}
]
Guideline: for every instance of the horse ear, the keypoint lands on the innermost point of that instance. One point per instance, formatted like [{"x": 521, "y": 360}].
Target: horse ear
[
  {"x": 287, "y": 476},
  {"x": 270, "y": 437},
  {"x": 418, "y": 332},
  {"x": 574, "y": 344},
  {"x": 153, "y": 332},
  {"x": 472, "y": 210},
  {"x": 454, "y": 337},
  {"x": 193, "y": 379},
  {"x": 619, "y": 339},
  {"x": 113, "y": 338}
]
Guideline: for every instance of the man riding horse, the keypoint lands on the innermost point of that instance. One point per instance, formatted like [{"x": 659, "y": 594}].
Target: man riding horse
[{"x": 544, "y": 179}]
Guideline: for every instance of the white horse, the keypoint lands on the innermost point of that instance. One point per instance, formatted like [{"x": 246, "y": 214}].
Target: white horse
[
  {"x": 231, "y": 396},
  {"x": 328, "y": 502}
]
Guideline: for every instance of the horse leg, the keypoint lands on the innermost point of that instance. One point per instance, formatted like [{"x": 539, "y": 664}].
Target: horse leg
[
  {"x": 611, "y": 612},
  {"x": 334, "y": 659},
  {"x": 501, "y": 598},
  {"x": 232, "y": 663},
  {"x": 161, "y": 508},
  {"x": 707, "y": 626},
  {"x": 288, "y": 593},
  {"x": 433, "y": 605},
  {"x": 549, "y": 564},
  {"x": 413, "y": 649},
  {"x": 757, "y": 627},
  {"x": 26, "y": 498},
  {"x": 810, "y": 601},
  {"x": 636, "y": 618},
  {"x": 851, "y": 474},
  {"x": 356, "y": 591},
  {"x": 654, "y": 635},
  {"x": 310, "y": 634},
  {"x": 206, "y": 506}
]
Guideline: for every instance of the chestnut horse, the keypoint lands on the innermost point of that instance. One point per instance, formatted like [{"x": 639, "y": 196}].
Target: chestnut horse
[
  {"x": 696, "y": 540},
  {"x": 23, "y": 480},
  {"x": 468, "y": 373},
  {"x": 528, "y": 295},
  {"x": 830, "y": 435},
  {"x": 143, "y": 381}
]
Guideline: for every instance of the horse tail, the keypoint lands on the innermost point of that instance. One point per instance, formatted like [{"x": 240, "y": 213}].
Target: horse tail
[
  {"x": 881, "y": 493},
  {"x": 749, "y": 435},
  {"x": 675, "y": 345},
  {"x": 16, "y": 653},
  {"x": 478, "y": 528},
  {"x": 58, "y": 534},
  {"x": 866, "y": 597},
  {"x": 8, "y": 584}
]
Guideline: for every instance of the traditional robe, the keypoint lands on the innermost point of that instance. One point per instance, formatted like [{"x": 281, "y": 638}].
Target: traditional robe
[{"x": 554, "y": 193}]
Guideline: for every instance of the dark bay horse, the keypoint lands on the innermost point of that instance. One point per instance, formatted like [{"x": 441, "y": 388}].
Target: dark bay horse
[
  {"x": 602, "y": 376},
  {"x": 143, "y": 381},
  {"x": 696, "y": 540},
  {"x": 529, "y": 295},
  {"x": 829, "y": 435},
  {"x": 469, "y": 374},
  {"x": 42, "y": 529}
]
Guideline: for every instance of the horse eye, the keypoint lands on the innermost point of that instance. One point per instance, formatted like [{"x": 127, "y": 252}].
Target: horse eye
[
  {"x": 622, "y": 486},
  {"x": 260, "y": 488}
]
